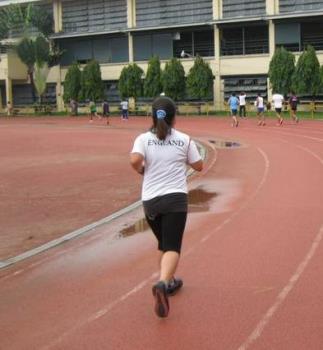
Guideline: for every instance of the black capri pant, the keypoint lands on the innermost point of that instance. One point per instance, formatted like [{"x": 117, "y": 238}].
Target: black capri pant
[{"x": 168, "y": 229}]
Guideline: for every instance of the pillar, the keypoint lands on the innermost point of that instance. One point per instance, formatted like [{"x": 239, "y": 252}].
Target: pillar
[
  {"x": 218, "y": 99},
  {"x": 272, "y": 46},
  {"x": 131, "y": 21},
  {"x": 9, "y": 94},
  {"x": 130, "y": 46},
  {"x": 217, "y": 9},
  {"x": 131, "y": 13},
  {"x": 58, "y": 16}
]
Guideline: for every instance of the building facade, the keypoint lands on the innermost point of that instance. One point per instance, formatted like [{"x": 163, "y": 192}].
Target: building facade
[{"x": 236, "y": 37}]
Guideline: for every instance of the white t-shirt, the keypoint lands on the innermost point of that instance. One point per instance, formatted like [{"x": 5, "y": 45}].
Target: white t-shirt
[
  {"x": 278, "y": 100},
  {"x": 165, "y": 162},
  {"x": 124, "y": 104},
  {"x": 242, "y": 100},
  {"x": 260, "y": 102}
]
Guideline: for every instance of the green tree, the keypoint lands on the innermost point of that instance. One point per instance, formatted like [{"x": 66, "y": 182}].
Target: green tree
[
  {"x": 72, "y": 83},
  {"x": 32, "y": 52},
  {"x": 33, "y": 25},
  {"x": 40, "y": 79},
  {"x": 281, "y": 69},
  {"x": 152, "y": 85},
  {"x": 173, "y": 79},
  {"x": 200, "y": 80},
  {"x": 130, "y": 81},
  {"x": 42, "y": 20},
  {"x": 306, "y": 78},
  {"x": 92, "y": 87},
  {"x": 15, "y": 20}
]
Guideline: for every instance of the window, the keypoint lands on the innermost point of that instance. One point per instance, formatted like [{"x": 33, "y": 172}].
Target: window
[
  {"x": 104, "y": 49},
  {"x": 288, "y": 36},
  {"x": 244, "y": 40},
  {"x": 256, "y": 40},
  {"x": 312, "y": 34},
  {"x": 231, "y": 41},
  {"x": 251, "y": 85},
  {"x": 198, "y": 42},
  {"x": 148, "y": 45},
  {"x": 204, "y": 43},
  {"x": 23, "y": 96},
  {"x": 297, "y": 36}
]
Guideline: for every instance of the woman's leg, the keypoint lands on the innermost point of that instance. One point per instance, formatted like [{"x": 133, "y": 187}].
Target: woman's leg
[
  {"x": 173, "y": 226},
  {"x": 168, "y": 266}
]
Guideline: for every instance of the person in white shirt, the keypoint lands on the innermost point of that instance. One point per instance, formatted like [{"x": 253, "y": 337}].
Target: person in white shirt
[
  {"x": 260, "y": 110},
  {"x": 161, "y": 155},
  {"x": 124, "y": 108},
  {"x": 242, "y": 104},
  {"x": 278, "y": 101}
]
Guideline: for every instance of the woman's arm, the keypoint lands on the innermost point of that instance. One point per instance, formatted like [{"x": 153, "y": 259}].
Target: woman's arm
[
  {"x": 137, "y": 162},
  {"x": 198, "y": 166}
]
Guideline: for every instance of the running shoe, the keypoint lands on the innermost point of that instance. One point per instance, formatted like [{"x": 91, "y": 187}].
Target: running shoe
[
  {"x": 174, "y": 286},
  {"x": 281, "y": 121},
  {"x": 161, "y": 299}
]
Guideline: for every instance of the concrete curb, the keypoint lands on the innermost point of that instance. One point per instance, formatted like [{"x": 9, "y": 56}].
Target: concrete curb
[{"x": 80, "y": 232}]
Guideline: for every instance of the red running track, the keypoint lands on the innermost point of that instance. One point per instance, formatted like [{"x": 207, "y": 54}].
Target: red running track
[{"x": 252, "y": 263}]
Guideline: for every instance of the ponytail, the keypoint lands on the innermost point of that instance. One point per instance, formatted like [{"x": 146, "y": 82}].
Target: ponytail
[
  {"x": 162, "y": 129},
  {"x": 163, "y": 113}
]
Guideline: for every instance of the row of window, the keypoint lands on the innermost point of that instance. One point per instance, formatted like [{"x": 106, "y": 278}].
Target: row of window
[
  {"x": 243, "y": 40},
  {"x": 107, "y": 49},
  {"x": 91, "y": 16}
]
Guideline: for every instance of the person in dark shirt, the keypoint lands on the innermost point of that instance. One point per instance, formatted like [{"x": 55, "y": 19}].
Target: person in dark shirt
[
  {"x": 106, "y": 110},
  {"x": 293, "y": 102}
]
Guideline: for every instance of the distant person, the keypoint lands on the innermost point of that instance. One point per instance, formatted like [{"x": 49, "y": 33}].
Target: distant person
[
  {"x": 293, "y": 102},
  {"x": 124, "y": 109},
  {"x": 93, "y": 111},
  {"x": 233, "y": 102},
  {"x": 106, "y": 110},
  {"x": 9, "y": 109},
  {"x": 278, "y": 101},
  {"x": 74, "y": 107},
  {"x": 242, "y": 104},
  {"x": 161, "y": 155},
  {"x": 260, "y": 110}
]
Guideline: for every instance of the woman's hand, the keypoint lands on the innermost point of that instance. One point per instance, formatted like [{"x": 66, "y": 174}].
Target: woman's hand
[{"x": 137, "y": 162}]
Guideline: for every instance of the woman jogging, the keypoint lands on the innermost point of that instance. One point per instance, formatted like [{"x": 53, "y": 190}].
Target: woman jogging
[
  {"x": 293, "y": 102},
  {"x": 278, "y": 101},
  {"x": 260, "y": 110},
  {"x": 161, "y": 155},
  {"x": 233, "y": 102}
]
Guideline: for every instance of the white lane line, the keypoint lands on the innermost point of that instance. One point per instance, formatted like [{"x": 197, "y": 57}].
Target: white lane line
[
  {"x": 304, "y": 136},
  {"x": 280, "y": 132},
  {"x": 312, "y": 153},
  {"x": 245, "y": 204},
  {"x": 102, "y": 312},
  {"x": 256, "y": 333},
  {"x": 292, "y": 281}
]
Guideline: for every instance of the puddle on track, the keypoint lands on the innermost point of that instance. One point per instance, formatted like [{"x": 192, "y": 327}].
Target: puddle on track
[
  {"x": 226, "y": 144},
  {"x": 198, "y": 201}
]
